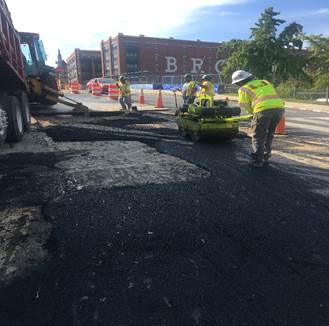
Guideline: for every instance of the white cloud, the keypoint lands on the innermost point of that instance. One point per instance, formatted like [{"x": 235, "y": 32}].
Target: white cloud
[
  {"x": 69, "y": 24},
  {"x": 304, "y": 14},
  {"x": 322, "y": 11}
]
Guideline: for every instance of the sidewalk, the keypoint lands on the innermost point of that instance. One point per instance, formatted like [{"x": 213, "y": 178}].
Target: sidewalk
[{"x": 288, "y": 104}]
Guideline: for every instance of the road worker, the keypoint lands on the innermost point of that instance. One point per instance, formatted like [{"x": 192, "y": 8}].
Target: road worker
[
  {"x": 207, "y": 92},
  {"x": 189, "y": 89},
  {"x": 259, "y": 98},
  {"x": 124, "y": 89}
]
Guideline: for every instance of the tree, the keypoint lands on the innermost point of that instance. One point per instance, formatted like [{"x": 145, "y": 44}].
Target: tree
[
  {"x": 236, "y": 52},
  {"x": 266, "y": 48},
  {"x": 319, "y": 59},
  {"x": 266, "y": 27},
  {"x": 291, "y": 37}
]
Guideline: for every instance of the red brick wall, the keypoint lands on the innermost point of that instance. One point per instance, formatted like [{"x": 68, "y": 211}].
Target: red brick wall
[{"x": 153, "y": 53}]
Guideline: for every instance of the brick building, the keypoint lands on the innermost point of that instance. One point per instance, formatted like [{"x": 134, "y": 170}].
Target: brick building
[
  {"x": 161, "y": 57},
  {"x": 83, "y": 65}
]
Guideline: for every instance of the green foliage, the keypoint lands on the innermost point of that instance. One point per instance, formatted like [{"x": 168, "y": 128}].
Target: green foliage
[
  {"x": 266, "y": 27},
  {"x": 289, "y": 88},
  {"x": 236, "y": 51},
  {"x": 291, "y": 36},
  {"x": 319, "y": 59},
  {"x": 266, "y": 48}
]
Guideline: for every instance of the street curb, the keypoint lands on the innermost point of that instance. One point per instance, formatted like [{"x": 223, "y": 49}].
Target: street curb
[{"x": 289, "y": 105}]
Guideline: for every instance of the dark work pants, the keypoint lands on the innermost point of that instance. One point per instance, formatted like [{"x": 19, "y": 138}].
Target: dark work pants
[
  {"x": 189, "y": 99},
  {"x": 263, "y": 127},
  {"x": 125, "y": 102}
]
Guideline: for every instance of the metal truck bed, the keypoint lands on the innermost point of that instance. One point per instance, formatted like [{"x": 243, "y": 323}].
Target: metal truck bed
[{"x": 11, "y": 58}]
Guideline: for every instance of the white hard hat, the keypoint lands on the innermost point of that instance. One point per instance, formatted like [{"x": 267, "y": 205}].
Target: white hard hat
[{"x": 240, "y": 75}]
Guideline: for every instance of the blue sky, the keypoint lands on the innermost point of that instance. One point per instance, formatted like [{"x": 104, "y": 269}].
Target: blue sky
[
  {"x": 83, "y": 24},
  {"x": 235, "y": 20}
]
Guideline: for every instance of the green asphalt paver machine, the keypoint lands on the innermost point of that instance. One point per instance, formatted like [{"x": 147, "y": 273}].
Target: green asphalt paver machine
[{"x": 220, "y": 121}]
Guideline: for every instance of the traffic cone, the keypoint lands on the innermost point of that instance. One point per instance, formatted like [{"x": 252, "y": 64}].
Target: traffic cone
[
  {"x": 281, "y": 127},
  {"x": 141, "y": 98},
  {"x": 159, "y": 102},
  {"x": 75, "y": 88},
  {"x": 96, "y": 89}
]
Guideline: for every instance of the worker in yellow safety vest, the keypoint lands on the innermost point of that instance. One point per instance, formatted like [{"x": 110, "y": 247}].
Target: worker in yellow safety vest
[
  {"x": 124, "y": 89},
  {"x": 189, "y": 89},
  {"x": 207, "y": 91},
  {"x": 260, "y": 98}
]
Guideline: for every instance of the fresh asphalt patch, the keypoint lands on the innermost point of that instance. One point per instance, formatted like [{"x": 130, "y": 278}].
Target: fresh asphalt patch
[{"x": 222, "y": 245}]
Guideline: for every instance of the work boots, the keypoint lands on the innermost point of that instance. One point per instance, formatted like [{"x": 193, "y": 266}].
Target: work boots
[{"x": 256, "y": 164}]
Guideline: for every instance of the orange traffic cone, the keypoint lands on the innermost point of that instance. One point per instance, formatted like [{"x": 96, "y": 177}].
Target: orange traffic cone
[
  {"x": 159, "y": 102},
  {"x": 141, "y": 98},
  {"x": 281, "y": 127},
  {"x": 96, "y": 89},
  {"x": 75, "y": 88}
]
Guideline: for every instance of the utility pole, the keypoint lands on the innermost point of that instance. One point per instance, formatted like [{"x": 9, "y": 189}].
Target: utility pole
[{"x": 274, "y": 69}]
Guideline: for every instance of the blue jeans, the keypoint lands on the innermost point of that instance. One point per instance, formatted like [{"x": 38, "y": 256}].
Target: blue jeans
[{"x": 125, "y": 103}]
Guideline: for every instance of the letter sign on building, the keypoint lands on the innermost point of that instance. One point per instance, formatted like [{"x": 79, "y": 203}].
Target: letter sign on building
[
  {"x": 171, "y": 64},
  {"x": 197, "y": 65},
  {"x": 218, "y": 64}
]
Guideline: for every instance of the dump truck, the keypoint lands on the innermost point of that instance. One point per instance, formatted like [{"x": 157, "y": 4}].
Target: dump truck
[
  {"x": 15, "y": 115},
  {"x": 24, "y": 78}
]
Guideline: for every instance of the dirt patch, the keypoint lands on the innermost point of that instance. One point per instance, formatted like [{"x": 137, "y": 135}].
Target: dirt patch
[
  {"x": 23, "y": 235},
  {"x": 134, "y": 163}
]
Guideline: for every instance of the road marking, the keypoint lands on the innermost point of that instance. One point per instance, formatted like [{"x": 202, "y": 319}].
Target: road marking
[
  {"x": 324, "y": 110},
  {"x": 309, "y": 161},
  {"x": 320, "y": 118},
  {"x": 308, "y": 121},
  {"x": 307, "y": 127}
]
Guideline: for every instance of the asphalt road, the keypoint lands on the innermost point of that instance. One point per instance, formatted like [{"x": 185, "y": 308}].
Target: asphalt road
[{"x": 162, "y": 231}]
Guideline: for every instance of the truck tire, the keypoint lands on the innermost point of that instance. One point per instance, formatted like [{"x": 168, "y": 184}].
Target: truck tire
[
  {"x": 25, "y": 108},
  {"x": 3, "y": 126},
  {"x": 13, "y": 110}
]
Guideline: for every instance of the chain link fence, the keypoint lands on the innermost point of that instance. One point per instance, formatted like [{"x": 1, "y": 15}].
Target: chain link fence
[{"x": 148, "y": 80}]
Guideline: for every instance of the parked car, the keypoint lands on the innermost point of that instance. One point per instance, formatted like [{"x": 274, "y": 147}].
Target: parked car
[{"x": 104, "y": 82}]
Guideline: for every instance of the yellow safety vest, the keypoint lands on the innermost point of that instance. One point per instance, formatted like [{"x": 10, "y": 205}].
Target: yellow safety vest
[
  {"x": 124, "y": 88},
  {"x": 191, "y": 88},
  {"x": 259, "y": 95},
  {"x": 208, "y": 91}
]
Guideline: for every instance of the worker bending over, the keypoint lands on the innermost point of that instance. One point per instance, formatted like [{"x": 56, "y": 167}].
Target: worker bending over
[
  {"x": 207, "y": 92},
  {"x": 189, "y": 90},
  {"x": 124, "y": 90},
  {"x": 260, "y": 99}
]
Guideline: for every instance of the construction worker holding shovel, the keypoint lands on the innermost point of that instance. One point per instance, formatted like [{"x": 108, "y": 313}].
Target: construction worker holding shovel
[
  {"x": 189, "y": 89},
  {"x": 260, "y": 99},
  {"x": 124, "y": 89}
]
